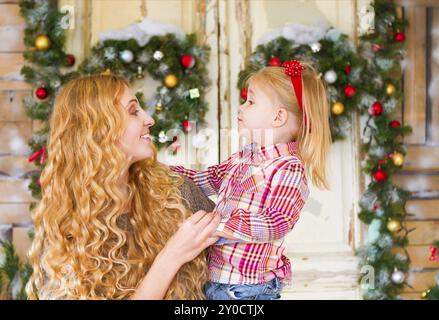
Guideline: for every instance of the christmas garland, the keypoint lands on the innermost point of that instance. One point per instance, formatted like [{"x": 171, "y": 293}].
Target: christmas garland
[
  {"x": 367, "y": 81},
  {"x": 180, "y": 65}
]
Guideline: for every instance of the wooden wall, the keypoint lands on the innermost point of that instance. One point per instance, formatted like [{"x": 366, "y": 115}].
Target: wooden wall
[{"x": 15, "y": 129}]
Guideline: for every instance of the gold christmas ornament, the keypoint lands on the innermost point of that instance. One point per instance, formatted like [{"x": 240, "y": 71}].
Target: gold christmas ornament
[
  {"x": 337, "y": 108},
  {"x": 424, "y": 294},
  {"x": 393, "y": 226},
  {"x": 398, "y": 159},
  {"x": 170, "y": 81},
  {"x": 42, "y": 42},
  {"x": 390, "y": 89},
  {"x": 158, "y": 107}
]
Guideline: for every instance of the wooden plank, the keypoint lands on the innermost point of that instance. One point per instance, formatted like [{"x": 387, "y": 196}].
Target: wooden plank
[
  {"x": 411, "y": 296},
  {"x": 417, "y": 182},
  {"x": 15, "y": 191},
  {"x": 15, "y": 136},
  {"x": 11, "y": 28},
  {"x": 425, "y": 233},
  {"x": 415, "y": 75},
  {"x": 422, "y": 158},
  {"x": 14, "y": 85},
  {"x": 417, "y": 3},
  {"x": 420, "y": 280},
  {"x": 12, "y": 213},
  {"x": 433, "y": 126},
  {"x": 15, "y": 166},
  {"x": 425, "y": 209},
  {"x": 10, "y": 66},
  {"x": 11, "y": 105},
  {"x": 419, "y": 256}
]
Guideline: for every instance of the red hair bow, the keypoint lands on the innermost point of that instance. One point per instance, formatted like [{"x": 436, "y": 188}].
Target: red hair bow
[{"x": 293, "y": 69}]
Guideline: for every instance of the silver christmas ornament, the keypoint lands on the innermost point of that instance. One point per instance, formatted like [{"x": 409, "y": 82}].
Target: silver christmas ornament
[
  {"x": 158, "y": 55},
  {"x": 127, "y": 56},
  {"x": 330, "y": 76},
  {"x": 162, "y": 137},
  {"x": 398, "y": 277}
]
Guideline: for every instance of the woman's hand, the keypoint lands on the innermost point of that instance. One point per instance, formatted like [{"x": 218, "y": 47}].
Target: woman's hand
[{"x": 194, "y": 235}]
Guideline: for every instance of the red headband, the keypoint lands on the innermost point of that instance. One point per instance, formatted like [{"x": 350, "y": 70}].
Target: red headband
[{"x": 293, "y": 68}]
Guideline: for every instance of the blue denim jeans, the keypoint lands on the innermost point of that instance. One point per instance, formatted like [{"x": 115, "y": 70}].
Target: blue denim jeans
[{"x": 264, "y": 291}]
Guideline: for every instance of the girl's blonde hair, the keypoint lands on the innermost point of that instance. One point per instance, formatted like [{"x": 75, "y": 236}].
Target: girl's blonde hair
[
  {"x": 82, "y": 249},
  {"x": 314, "y": 136}
]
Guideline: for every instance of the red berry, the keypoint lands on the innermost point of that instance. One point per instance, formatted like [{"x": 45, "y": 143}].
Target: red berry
[
  {"x": 376, "y": 109},
  {"x": 380, "y": 175},
  {"x": 187, "y": 61},
  {"x": 394, "y": 124},
  {"x": 350, "y": 91},
  {"x": 275, "y": 62},
  {"x": 348, "y": 70},
  {"x": 70, "y": 60},
  {"x": 399, "y": 37},
  {"x": 41, "y": 93}
]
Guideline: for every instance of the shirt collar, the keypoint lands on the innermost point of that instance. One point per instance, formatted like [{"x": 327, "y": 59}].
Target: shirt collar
[{"x": 257, "y": 153}]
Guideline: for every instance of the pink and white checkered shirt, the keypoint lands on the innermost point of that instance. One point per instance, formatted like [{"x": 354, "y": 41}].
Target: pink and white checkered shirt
[{"x": 261, "y": 191}]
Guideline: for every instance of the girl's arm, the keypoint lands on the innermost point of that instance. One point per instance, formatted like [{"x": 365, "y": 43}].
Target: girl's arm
[
  {"x": 286, "y": 199},
  {"x": 208, "y": 180},
  {"x": 193, "y": 236}
]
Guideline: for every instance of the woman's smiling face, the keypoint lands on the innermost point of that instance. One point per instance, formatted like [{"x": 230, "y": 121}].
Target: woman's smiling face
[{"x": 136, "y": 141}]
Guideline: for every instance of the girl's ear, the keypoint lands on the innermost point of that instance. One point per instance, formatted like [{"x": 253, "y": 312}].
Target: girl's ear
[{"x": 280, "y": 117}]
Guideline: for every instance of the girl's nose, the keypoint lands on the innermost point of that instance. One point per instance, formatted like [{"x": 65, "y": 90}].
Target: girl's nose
[{"x": 149, "y": 122}]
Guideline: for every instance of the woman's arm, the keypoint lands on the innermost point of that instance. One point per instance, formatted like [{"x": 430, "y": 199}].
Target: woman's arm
[{"x": 193, "y": 236}]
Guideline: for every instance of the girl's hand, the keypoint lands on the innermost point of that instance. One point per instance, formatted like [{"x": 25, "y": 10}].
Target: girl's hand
[{"x": 193, "y": 236}]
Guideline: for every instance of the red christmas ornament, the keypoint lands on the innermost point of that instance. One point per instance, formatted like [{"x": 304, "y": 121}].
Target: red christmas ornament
[
  {"x": 275, "y": 62},
  {"x": 380, "y": 175},
  {"x": 348, "y": 70},
  {"x": 394, "y": 124},
  {"x": 376, "y": 109},
  {"x": 187, "y": 61},
  {"x": 399, "y": 37},
  {"x": 187, "y": 125},
  {"x": 434, "y": 256},
  {"x": 244, "y": 93},
  {"x": 41, "y": 93},
  {"x": 70, "y": 60},
  {"x": 376, "y": 47},
  {"x": 349, "y": 91}
]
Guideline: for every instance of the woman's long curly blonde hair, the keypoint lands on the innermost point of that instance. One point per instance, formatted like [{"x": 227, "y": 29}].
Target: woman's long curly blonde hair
[{"x": 81, "y": 250}]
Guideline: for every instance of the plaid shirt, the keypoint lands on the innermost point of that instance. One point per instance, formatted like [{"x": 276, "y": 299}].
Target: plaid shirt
[{"x": 261, "y": 191}]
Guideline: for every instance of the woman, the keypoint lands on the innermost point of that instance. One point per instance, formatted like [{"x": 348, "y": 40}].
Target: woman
[{"x": 111, "y": 221}]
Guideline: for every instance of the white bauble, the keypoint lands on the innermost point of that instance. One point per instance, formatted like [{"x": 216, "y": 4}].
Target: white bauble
[
  {"x": 398, "y": 277},
  {"x": 127, "y": 56},
  {"x": 330, "y": 76}
]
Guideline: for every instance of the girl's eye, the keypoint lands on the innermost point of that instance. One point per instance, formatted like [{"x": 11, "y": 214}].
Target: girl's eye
[{"x": 250, "y": 101}]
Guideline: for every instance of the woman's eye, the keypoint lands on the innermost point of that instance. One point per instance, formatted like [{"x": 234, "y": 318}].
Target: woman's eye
[{"x": 250, "y": 101}]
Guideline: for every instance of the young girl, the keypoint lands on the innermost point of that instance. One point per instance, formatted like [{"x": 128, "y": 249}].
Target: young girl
[{"x": 262, "y": 189}]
